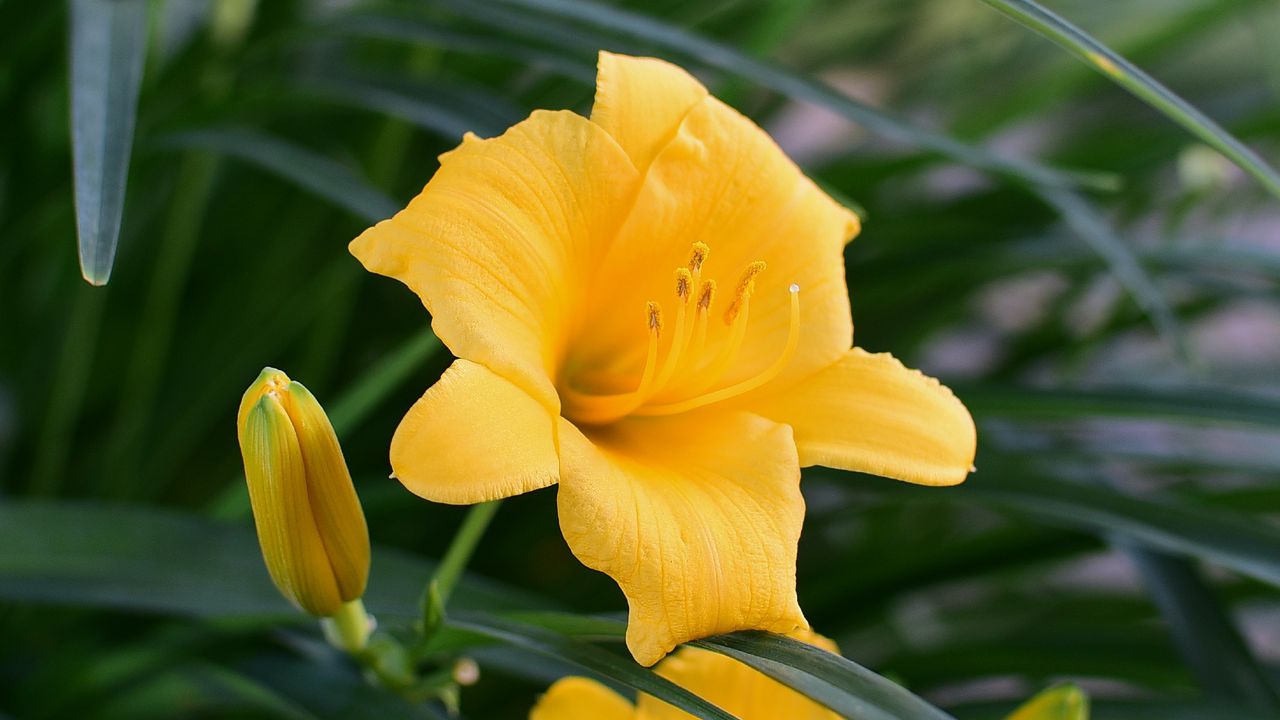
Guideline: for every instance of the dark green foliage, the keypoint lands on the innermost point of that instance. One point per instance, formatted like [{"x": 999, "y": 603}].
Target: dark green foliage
[{"x": 1099, "y": 287}]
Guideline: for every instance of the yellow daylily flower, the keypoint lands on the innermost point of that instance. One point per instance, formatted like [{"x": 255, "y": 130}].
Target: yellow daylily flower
[
  {"x": 649, "y": 308},
  {"x": 310, "y": 525},
  {"x": 744, "y": 693}
]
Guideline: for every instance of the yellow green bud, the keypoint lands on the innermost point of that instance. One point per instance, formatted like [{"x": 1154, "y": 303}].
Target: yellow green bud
[
  {"x": 1065, "y": 702},
  {"x": 310, "y": 525}
]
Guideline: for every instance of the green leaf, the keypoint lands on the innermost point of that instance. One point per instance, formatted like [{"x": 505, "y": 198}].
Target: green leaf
[
  {"x": 765, "y": 74},
  {"x": 108, "y": 45},
  {"x": 329, "y": 179},
  {"x": 589, "y": 657},
  {"x": 1087, "y": 224},
  {"x": 1206, "y": 637},
  {"x": 415, "y": 105},
  {"x": 834, "y": 681},
  {"x": 414, "y": 30},
  {"x": 132, "y": 558},
  {"x": 1183, "y": 404},
  {"x": 1232, "y": 541},
  {"x": 1133, "y": 79}
]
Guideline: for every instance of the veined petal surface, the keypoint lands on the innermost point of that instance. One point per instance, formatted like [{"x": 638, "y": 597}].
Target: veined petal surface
[
  {"x": 695, "y": 516},
  {"x": 500, "y": 243},
  {"x": 869, "y": 413},
  {"x": 641, "y": 103},
  {"x": 472, "y": 437},
  {"x": 579, "y": 698}
]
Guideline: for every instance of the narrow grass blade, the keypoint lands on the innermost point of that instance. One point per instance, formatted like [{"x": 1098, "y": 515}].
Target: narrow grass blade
[
  {"x": 1086, "y": 224},
  {"x": 1190, "y": 405},
  {"x": 1226, "y": 539},
  {"x": 324, "y": 177},
  {"x": 590, "y": 657},
  {"x": 406, "y": 104},
  {"x": 1133, "y": 79},
  {"x": 108, "y": 45},
  {"x": 1207, "y": 639},
  {"x": 713, "y": 54},
  {"x": 377, "y": 384},
  {"x": 413, "y": 30}
]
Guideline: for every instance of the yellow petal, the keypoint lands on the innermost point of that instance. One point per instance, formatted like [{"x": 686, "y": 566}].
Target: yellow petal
[
  {"x": 276, "y": 476},
  {"x": 334, "y": 503},
  {"x": 500, "y": 243},
  {"x": 474, "y": 437},
  {"x": 695, "y": 516},
  {"x": 868, "y": 413},
  {"x": 723, "y": 182},
  {"x": 578, "y": 698},
  {"x": 1066, "y": 702},
  {"x": 641, "y": 102},
  {"x": 734, "y": 687}
]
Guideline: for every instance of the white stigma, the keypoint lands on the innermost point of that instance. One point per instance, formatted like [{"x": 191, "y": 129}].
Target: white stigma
[{"x": 795, "y": 287}]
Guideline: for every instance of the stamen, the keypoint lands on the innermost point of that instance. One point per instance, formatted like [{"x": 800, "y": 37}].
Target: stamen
[
  {"x": 698, "y": 256},
  {"x": 751, "y": 383},
  {"x": 746, "y": 285},
  {"x": 684, "y": 284},
  {"x": 705, "y": 298},
  {"x": 707, "y": 295},
  {"x": 654, "y": 312}
]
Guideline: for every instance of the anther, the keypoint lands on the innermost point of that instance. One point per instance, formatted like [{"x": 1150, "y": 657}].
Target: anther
[
  {"x": 698, "y": 256},
  {"x": 684, "y": 284},
  {"x": 746, "y": 284},
  {"x": 707, "y": 295},
  {"x": 654, "y": 311}
]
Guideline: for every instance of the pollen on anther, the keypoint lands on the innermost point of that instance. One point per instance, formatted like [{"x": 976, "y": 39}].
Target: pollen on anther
[
  {"x": 654, "y": 311},
  {"x": 698, "y": 256},
  {"x": 707, "y": 295},
  {"x": 749, "y": 276},
  {"x": 684, "y": 283}
]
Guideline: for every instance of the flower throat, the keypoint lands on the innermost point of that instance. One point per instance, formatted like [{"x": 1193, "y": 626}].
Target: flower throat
[{"x": 700, "y": 382}]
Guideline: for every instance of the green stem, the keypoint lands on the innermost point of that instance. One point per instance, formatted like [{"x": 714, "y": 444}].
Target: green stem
[
  {"x": 461, "y": 548},
  {"x": 348, "y": 628}
]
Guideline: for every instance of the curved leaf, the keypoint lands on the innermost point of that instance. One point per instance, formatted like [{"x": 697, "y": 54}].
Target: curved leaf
[
  {"x": 713, "y": 54},
  {"x": 133, "y": 558},
  {"x": 835, "y": 681},
  {"x": 1232, "y": 541},
  {"x": 590, "y": 657},
  {"x": 331, "y": 180},
  {"x": 1206, "y": 637},
  {"x": 108, "y": 45},
  {"x": 1133, "y": 79}
]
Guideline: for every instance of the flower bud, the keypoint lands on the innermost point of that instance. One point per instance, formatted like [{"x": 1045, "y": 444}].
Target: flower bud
[{"x": 310, "y": 525}]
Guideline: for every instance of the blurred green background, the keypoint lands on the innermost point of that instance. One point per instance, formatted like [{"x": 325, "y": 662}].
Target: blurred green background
[{"x": 1099, "y": 286}]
